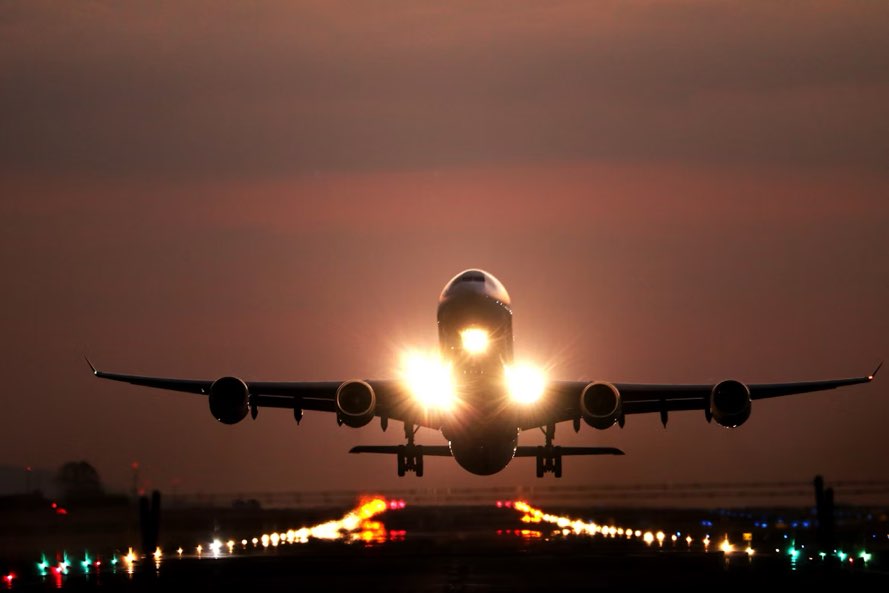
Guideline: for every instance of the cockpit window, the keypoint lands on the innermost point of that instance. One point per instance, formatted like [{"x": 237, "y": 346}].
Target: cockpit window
[{"x": 478, "y": 282}]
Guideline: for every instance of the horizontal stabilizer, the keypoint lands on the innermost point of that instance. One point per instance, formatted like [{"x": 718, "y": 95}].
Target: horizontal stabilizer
[
  {"x": 428, "y": 450},
  {"x": 532, "y": 451}
]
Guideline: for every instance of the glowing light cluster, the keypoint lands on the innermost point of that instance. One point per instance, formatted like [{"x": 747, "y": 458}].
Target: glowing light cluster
[
  {"x": 569, "y": 526},
  {"x": 523, "y": 533},
  {"x": 429, "y": 379},
  {"x": 525, "y": 383},
  {"x": 474, "y": 340},
  {"x": 356, "y": 525},
  {"x": 797, "y": 554}
]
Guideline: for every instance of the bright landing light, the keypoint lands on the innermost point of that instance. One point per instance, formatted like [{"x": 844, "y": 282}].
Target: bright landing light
[
  {"x": 475, "y": 340},
  {"x": 429, "y": 379},
  {"x": 526, "y": 383}
]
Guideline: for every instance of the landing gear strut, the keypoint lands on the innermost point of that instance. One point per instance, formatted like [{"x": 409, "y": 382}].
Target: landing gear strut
[
  {"x": 549, "y": 458},
  {"x": 410, "y": 456}
]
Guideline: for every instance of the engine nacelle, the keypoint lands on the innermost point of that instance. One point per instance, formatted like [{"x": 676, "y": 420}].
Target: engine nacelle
[
  {"x": 600, "y": 405},
  {"x": 229, "y": 400},
  {"x": 730, "y": 403},
  {"x": 355, "y": 403}
]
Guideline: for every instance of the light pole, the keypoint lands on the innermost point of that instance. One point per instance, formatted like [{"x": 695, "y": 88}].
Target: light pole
[{"x": 135, "y": 466}]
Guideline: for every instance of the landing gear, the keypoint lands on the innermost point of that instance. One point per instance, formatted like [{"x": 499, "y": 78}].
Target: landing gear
[
  {"x": 549, "y": 458},
  {"x": 410, "y": 456}
]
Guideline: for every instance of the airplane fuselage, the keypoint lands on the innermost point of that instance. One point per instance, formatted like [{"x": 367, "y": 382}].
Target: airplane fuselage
[{"x": 475, "y": 337}]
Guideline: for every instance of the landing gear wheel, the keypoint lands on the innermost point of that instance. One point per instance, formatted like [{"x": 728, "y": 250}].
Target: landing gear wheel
[
  {"x": 418, "y": 461},
  {"x": 557, "y": 465},
  {"x": 540, "y": 466},
  {"x": 401, "y": 458},
  {"x": 409, "y": 457}
]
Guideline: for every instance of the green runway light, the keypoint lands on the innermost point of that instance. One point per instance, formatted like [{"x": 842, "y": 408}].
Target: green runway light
[
  {"x": 42, "y": 565},
  {"x": 842, "y": 555},
  {"x": 86, "y": 562},
  {"x": 865, "y": 556},
  {"x": 793, "y": 553}
]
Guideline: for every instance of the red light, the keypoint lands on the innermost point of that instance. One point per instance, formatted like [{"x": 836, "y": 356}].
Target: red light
[
  {"x": 54, "y": 505},
  {"x": 61, "y": 511},
  {"x": 8, "y": 578},
  {"x": 393, "y": 504},
  {"x": 401, "y": 504},
  {"x": 508, "y": 504},
  {"x": 499, "y": 504}
]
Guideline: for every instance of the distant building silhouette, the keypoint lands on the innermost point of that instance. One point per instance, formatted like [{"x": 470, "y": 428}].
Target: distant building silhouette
[{"x": 78, "y": 480}]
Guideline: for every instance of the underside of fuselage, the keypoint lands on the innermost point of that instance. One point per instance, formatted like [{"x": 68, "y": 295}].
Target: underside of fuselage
[
  {"x": 481, "y": 433},
  {"x": 483, "y": 455}
]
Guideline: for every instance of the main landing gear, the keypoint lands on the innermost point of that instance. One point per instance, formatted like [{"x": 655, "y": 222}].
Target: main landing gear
[
  {"x": 549, "y": 458},
  {"x": 410, "y": 456}
]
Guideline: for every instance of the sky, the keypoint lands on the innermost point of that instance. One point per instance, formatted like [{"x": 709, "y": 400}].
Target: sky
[{"x": 680, "y": 191}]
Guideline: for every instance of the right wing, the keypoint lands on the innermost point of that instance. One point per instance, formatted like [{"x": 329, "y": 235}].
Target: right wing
[{"x": 562, "y": 402}]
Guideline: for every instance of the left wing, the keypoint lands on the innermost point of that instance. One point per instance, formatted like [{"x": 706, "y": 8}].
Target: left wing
[
  {"x": 563, "y": 399},
  {"x": 392, "y": 400}
]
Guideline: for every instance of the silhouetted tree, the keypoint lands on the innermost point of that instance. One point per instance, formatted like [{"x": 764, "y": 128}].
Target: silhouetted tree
[{"x": 79, "y": 480}]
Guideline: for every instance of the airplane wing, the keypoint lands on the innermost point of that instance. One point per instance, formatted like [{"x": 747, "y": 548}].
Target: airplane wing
[
  {"x": 561, "y": 403},
  {"x": 393, "y": 402},
  {"x": 563, "y": 399}
]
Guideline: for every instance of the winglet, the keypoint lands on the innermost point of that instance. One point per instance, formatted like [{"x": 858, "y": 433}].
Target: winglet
[
  {"x": 92, "y": 368},
  {"x": 876, "y": 370}
]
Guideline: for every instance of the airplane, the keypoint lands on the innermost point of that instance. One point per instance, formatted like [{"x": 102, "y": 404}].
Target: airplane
[{"x": 475, "y": 394}]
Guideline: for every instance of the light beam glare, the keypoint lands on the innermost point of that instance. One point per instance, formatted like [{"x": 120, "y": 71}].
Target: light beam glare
[
  {"x": 525, "y": 383},
  {"x": 475, "y": 340},
  {"x": 429, "y": 380}
]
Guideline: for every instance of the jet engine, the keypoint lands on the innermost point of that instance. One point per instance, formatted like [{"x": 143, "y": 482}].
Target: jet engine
[
  {"x": 228, "y": 400},
  {"x": 600, "y": 405},
  {"x": 730, "y": 403},
  {"x": 355, "y": 403}
]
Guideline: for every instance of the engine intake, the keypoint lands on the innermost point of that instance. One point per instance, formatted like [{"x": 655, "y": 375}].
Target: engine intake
[
  {"x": 730, "y": 403},
  {"x": 228, "y": 400},
  {"x": 600, "y": 405},
  {"x": 355, "y": 403}
]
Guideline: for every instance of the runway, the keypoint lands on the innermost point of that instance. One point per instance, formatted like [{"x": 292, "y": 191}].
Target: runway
[{"x": 505, "y": 546}]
